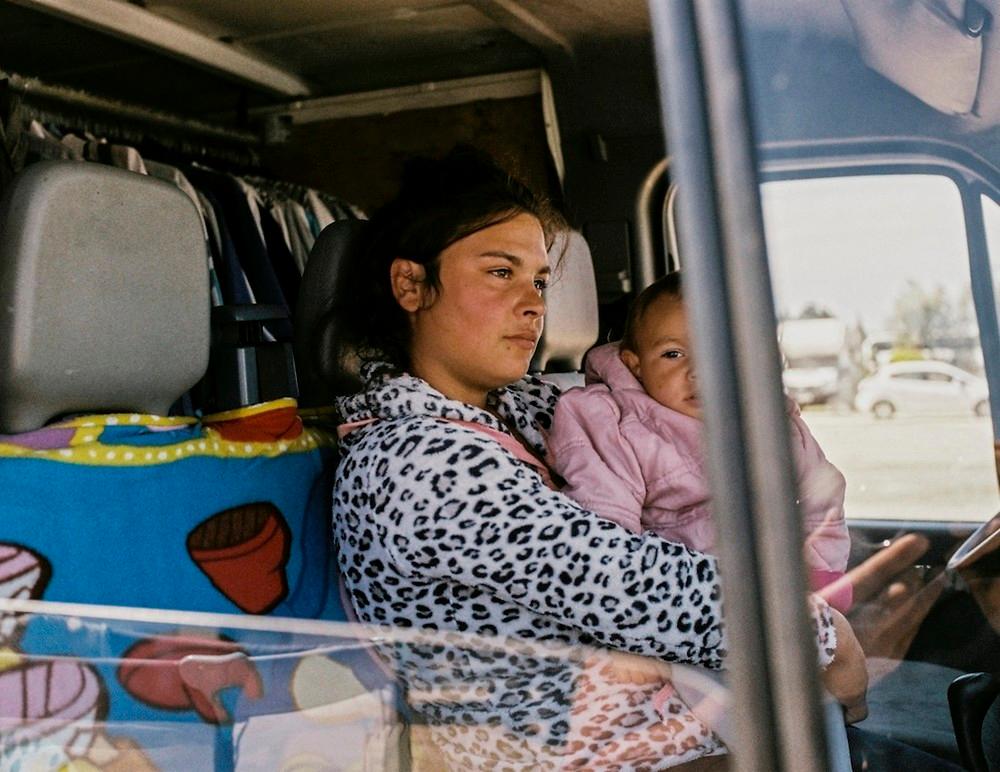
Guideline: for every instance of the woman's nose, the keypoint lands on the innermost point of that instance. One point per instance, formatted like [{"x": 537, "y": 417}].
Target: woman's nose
[{"x": 532, "y": 303}]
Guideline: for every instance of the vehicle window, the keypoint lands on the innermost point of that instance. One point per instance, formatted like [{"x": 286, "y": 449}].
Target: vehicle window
[{"x": 870, "y": 271}]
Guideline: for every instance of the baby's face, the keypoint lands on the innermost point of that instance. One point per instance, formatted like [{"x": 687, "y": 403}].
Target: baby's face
[{"x": 663, "y": 363}]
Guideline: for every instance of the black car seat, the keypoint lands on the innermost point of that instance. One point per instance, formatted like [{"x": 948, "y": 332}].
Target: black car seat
[{"x": 320, "y": 376}]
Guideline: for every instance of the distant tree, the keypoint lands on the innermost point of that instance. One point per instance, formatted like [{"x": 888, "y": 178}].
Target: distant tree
[
  {"x": 924, "y": 317},
  {"x": 816, "y": 311}
]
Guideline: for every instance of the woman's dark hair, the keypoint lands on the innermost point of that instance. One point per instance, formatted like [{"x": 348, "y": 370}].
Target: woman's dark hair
[
  {"x": 667, "y": 286},
  {"x": 439, "y": 202}
]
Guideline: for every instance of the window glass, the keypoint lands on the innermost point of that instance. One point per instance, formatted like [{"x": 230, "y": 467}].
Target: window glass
[
  {"x": 865, "y": 111},
  {"x": 873, "y": 294}
]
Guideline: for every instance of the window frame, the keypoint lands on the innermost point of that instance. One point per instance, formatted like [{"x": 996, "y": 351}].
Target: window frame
[
  {"x": 973, "y": 176},
  {"x": 706, "y": 112}
]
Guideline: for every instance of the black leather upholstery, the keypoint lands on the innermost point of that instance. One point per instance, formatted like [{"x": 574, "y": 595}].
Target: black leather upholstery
[{"x": 321, "y": 376}]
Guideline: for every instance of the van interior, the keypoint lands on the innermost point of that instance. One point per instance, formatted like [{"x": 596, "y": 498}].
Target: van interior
[{"x": 133, "y": 134}]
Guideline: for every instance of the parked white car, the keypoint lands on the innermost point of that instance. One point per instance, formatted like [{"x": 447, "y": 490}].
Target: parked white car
[{"x": 922, "y": 386}]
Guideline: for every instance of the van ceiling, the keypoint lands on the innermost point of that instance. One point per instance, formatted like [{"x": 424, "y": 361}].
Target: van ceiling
[{"x": 335, "y": 47}]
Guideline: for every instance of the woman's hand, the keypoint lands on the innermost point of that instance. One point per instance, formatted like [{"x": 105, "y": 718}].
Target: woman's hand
[
  {"x": 892, "y": 598},
  {"x": 846, "y": 678}
]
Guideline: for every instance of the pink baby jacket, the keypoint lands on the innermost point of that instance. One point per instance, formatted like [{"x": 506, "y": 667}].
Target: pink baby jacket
[{"x": 634, "y": 461}]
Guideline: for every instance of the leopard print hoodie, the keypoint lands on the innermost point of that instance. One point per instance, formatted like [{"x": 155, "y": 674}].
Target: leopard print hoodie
[{"x": 440, "y": 528}]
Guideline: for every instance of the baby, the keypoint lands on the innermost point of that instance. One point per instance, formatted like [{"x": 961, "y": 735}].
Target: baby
[
  {"x": 629, "y": 444},
  {"x": 629, "y": 448}
]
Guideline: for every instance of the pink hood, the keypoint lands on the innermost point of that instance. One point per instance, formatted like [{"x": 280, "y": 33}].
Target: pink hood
[{"x": 604, "y": 365}]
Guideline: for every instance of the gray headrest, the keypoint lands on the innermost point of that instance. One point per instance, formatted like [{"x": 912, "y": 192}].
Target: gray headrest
[
  {"x": 571, "y": 313},
  {"x": 320, "y": 375},
  {"x": 104, "y": 301}
]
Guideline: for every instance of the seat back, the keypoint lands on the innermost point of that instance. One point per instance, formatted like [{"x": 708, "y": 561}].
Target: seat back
[
  {"x": 104, "y": 282},
  {"x": 571, "y": 313},
  {"x": 104, "y": 279},
  {"x": 320, "y": 375}
]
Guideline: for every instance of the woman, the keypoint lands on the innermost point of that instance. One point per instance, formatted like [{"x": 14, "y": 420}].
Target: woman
[{"x": 445, "y": 518}]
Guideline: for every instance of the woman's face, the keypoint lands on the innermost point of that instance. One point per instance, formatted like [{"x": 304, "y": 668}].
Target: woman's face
[{"x": 478, "y": 330}]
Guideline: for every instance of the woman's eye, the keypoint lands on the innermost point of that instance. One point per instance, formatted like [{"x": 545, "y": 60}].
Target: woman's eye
[
  {"x": 503, "y": 273},
  {"x": 541, "y": 284}
]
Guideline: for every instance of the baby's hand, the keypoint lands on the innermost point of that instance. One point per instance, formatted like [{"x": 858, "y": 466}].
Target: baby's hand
[{"x": 620, "y": 667}]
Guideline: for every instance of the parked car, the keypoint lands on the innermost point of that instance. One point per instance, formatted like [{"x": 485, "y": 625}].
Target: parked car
[{"x": 922, "y": 386}]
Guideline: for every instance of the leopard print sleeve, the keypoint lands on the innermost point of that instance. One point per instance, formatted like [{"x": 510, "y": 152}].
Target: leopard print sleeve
[{"x": 453, "y": 507}]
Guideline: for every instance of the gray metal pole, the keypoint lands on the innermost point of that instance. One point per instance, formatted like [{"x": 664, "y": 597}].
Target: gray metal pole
[
  {"x": 778, "y": 524},
  {"x": 773, "y": 655},
  {"x": 755, "y": 743}
]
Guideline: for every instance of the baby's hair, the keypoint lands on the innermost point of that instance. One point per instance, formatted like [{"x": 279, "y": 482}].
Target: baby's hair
[{"x": 667, "y": 286}]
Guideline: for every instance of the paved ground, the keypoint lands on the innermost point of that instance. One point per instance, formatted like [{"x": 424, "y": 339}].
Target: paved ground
[{"x": 928, "y": 467}]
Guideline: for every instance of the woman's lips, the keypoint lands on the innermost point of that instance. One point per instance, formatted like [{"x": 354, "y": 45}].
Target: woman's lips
[{"x": 527, "y": 342}]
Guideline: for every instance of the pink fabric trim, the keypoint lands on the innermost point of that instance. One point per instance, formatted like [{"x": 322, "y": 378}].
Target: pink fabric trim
[
  {"x": 660, "y": 699},
  {"x": 514, "y": 447},
  {"x": 834, "y": 587},
  {"x": 344, "y": 429}
]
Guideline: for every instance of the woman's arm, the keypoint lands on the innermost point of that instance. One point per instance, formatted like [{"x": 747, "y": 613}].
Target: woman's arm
[{"x": 475, "y": 515}]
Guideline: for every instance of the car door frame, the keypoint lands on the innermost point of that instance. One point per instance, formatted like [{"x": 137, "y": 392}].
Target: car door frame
[
  {"x": 707, "y": 116},
  {"x": 778, "y": 721},
  {"x": 973, "y": 177}
]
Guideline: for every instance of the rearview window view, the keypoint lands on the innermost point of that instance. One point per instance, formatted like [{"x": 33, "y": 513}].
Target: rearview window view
[{"x": 879, "y": 339}]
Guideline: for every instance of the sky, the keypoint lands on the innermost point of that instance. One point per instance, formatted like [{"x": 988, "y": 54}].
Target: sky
[{"x": 851, "y": 243}]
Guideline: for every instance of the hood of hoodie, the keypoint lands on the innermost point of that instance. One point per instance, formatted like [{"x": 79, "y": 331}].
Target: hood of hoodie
[
  {"x": 388, "y": 394},
  {"x": 604, "y": 365}
]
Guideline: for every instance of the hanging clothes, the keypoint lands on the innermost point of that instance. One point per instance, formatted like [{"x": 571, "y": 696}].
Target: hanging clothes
[
  {"x": 176, "y": 177},
  {"x": 231, "y": 208},
  {"x": 302, "y": 235},
  {"x": 258, "y": 231},
  {"x": 233, "y": 281},
  {"x": 320, "y": 210},
  {"x": 277, "y": 249}
]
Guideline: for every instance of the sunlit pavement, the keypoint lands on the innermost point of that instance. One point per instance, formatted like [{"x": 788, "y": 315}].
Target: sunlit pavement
[{"x": 919, "y": 467}]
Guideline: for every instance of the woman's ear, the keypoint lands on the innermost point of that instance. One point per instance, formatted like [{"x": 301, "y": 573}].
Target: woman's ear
[
  {"x": 631, "y": 360},
  {"x": 408, "y": 287}
]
